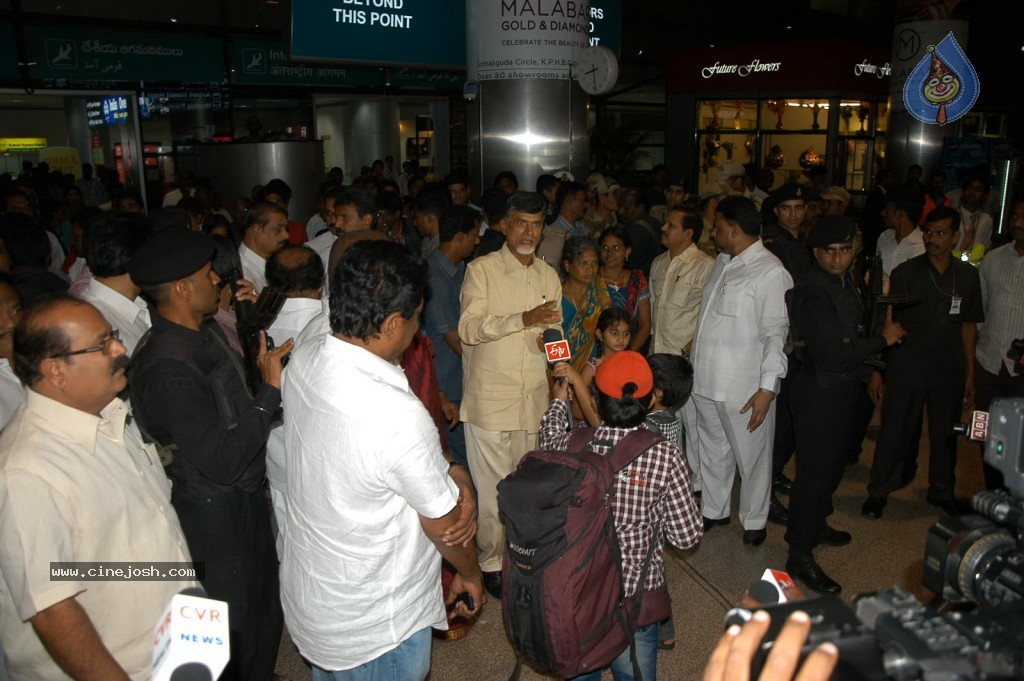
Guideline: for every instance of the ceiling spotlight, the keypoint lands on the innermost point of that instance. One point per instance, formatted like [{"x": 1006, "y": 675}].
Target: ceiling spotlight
[
  {"x": 173, "y": 20},
  {"x": 640, "y": 53}
]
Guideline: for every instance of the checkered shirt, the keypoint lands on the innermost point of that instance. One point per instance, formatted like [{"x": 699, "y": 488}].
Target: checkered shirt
[{"x": 654, "y": 489}]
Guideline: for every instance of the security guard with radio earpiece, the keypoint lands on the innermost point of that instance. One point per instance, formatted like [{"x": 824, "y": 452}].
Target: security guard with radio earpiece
[{"x": 826, "y": 313}]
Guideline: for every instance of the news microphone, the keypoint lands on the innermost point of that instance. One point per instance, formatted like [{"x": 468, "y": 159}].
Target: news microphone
[
  {"x": 764, "y": 592},
  {"x": 556, "y": 348},
  {"x": 191, "y": 642}
]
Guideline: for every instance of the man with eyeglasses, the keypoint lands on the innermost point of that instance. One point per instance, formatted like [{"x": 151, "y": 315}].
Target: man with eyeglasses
[
  {"x": 826, "y": 314},
  {"x": 933, "y": 368},
  {"x": 78, "y": 486},
  {"x": 509, "y": 298},
  {"x": 189, "y": 393}
]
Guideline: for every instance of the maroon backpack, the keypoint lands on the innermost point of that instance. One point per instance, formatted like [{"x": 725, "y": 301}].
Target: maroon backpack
[{"x": 563, "y": 601}]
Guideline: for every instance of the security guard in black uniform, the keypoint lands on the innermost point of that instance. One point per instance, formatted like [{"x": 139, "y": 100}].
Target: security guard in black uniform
[
  {"x": 826, "y": 315},
  {"x": 189, "y": 394}
]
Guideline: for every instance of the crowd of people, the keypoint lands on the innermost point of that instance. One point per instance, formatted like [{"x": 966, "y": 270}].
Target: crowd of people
[{"x": 334, "y": 468}]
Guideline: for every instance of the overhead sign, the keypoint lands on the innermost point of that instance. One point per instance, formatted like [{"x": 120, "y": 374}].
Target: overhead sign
[
  {"x": 8, "y": 54},
  {"x": 86, "y": 54},
  {"x": 18, "y": 145},
  {"x": 265, "y": 62},
  {"x": 380, "y": 32},
  {"x": 606, "y": 24},
  {"x": 517, "y": 39},
  {"x": 65, "y": 159},
  {"x": 809, "y": 66}
]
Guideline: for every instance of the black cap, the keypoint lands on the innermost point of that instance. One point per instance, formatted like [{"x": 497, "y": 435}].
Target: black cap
[
  {"x": 789, "y": 192},
  {"x": 905, "y": 196},
  {"x": 168, "y": 218},
  {"x": 832, "y": 229},
  {"x": 171, "y": 255}
]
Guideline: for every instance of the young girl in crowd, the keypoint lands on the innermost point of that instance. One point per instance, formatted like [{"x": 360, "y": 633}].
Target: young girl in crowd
[{"x": 613, "y": 334}]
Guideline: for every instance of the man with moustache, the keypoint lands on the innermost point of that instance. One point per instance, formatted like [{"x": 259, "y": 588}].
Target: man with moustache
[
  {"x": 264, "y": 231},
  {"x": 509, "y": 298},
  {"x": 76, "y": 485},
  {"x": 189, "y": 394},
  {"x": 933, "y": 367}
]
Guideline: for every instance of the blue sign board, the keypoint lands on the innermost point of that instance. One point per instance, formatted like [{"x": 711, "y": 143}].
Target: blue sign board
[{"x": 380, "y": 32}]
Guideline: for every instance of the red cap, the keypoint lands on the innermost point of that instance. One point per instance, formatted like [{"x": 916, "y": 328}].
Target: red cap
[{"x": 621, "y": 368}]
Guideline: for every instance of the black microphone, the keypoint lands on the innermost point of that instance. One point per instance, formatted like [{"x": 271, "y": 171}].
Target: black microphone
[
  {"x": 556, "y": 349},
  {"x": 764, "y": 592}
]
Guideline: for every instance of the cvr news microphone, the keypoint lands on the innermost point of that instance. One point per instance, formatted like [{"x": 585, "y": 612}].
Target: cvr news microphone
[{"x": 191, "y": 642}]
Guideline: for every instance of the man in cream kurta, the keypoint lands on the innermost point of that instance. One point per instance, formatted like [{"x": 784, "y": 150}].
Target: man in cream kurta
[
  {"x": 739, "y": 362},
  {"x": 508, "y": 299},
  {"x": 677, "y": 279},
  {"x": 76, "y": 485}
]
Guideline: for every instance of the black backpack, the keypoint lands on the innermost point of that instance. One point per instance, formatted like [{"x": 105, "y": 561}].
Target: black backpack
[{"x": 563, "y": 595}]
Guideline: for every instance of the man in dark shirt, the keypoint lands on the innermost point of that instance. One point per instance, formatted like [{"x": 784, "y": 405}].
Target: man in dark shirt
[
  {"x": 934, "y": 367},
  {"x": 826, "y": 318},
  {"x": 189, "y": 394}
]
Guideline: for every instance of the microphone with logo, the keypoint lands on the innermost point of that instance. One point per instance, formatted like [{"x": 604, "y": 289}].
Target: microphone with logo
[
  {"x": 556, "y": 348},
  {"x": 191, "y": 641}
]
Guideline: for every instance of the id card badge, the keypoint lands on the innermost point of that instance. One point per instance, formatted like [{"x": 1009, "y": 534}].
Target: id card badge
[{"x": 954, "y": 307}]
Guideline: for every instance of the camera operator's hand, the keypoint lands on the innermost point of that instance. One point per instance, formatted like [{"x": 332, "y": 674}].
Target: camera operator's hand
[
  {"x": 269, "y": 363},
  {"x": 731, "y": 658}
]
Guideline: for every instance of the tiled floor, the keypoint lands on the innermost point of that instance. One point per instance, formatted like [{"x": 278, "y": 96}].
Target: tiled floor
[{"x": 705, "y": 582}]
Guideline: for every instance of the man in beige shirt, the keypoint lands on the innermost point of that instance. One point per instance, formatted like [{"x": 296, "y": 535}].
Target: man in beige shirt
[
  {"x": 677, "y": 278},
  {"x": 76, "y": 485},
  {"x": 508, "y": 299}
]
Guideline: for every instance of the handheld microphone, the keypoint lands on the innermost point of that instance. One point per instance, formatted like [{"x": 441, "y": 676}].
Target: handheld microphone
[
  {"x": 556, "y": 348},
  {"x": 191, "y": 642}
]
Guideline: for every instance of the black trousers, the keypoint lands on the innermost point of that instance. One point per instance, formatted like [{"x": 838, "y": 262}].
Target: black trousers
[
  {"x": 824, "y": 420},
  {"x": 784, "y": 443},
  {"x": 900, "y": 437},
  {"x": 987, "y": 387},
  {"x": 231, "y": 534}
]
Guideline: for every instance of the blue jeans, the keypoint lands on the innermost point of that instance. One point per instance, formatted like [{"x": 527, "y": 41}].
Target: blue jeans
[
  {"x": 646, "y": 656},
  {"x": 410, "y": 661}
]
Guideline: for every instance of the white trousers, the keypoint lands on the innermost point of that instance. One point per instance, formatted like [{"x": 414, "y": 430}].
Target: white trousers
[{"x": 725, "y": 446}]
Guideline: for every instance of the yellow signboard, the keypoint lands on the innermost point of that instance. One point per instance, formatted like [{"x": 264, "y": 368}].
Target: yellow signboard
[
  {"x": 18, "y": 145},
  {"x": 64, "y": 159}
]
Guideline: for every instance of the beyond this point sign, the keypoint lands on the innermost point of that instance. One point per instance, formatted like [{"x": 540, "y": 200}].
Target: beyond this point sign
[{"x": 380, "y": 32}]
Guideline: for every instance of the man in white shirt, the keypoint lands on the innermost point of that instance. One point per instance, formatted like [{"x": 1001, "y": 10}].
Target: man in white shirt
[
  {"x": 77, "y": 486},
  {"x": 1002, "y": 294},
  {"x": 371, "y": 497},
  {"x": 975, "y": 223},
  {"x": 265, "y": 230},
  {"x": 109, "y": 246},
  {"x": 298, "y": 273},
  {"x": 677, "y": 278},
  {"x": 739, "y": 362},
  {"x": 344, "y": 211},
  {"x": 901, "y": 240}
]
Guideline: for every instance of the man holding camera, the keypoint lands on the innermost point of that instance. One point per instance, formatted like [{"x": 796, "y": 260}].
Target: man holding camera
[{"x": 189, "y": 393}]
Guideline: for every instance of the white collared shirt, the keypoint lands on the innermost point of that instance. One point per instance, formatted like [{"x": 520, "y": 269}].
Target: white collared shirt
[
  {"x": 358, "y": 574},
  {"x": 1002, "y": 294},
  {"x": 896, "y": 253},
  {"x": 676, "y": 285},
  {"x": 75, "y": 487},
  {"x": 743, "y": 325},
  {"x": 130, "y": 317},
  {"x": 254, "y": 268},
  {"x": 983, "y": 229},
  {"x": 12, "y": 392}
]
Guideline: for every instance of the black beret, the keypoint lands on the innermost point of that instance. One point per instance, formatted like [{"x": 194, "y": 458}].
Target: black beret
[
  {"x": 832, "y": 229},
  {"x": 789, "y": 192},
  {"x": 811, "y": 193},
  {"x": 905, "y": 196},
  {"x": 171, "y": 255},
  {"x": 167, "y": 218}
]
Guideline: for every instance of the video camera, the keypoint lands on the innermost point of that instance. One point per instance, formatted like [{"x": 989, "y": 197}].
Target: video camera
[
  {"x": 972, "y": 560},
  {"x": 251, "y": 319}
]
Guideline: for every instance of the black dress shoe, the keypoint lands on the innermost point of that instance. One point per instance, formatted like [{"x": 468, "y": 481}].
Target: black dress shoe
[
  {"x": 781, "y": 484},
  {"x": 873, "y": 507},
  {"x": 754, "y": 537},
  {"x": 714, "y": 522},
  {"x": 807, "y": 570},
  {"x": 492, "y": 582},
  {"x": 833, "y": 537},
  {"x": 951, "y": 506},
  {"x": 777, "y": 513}
]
